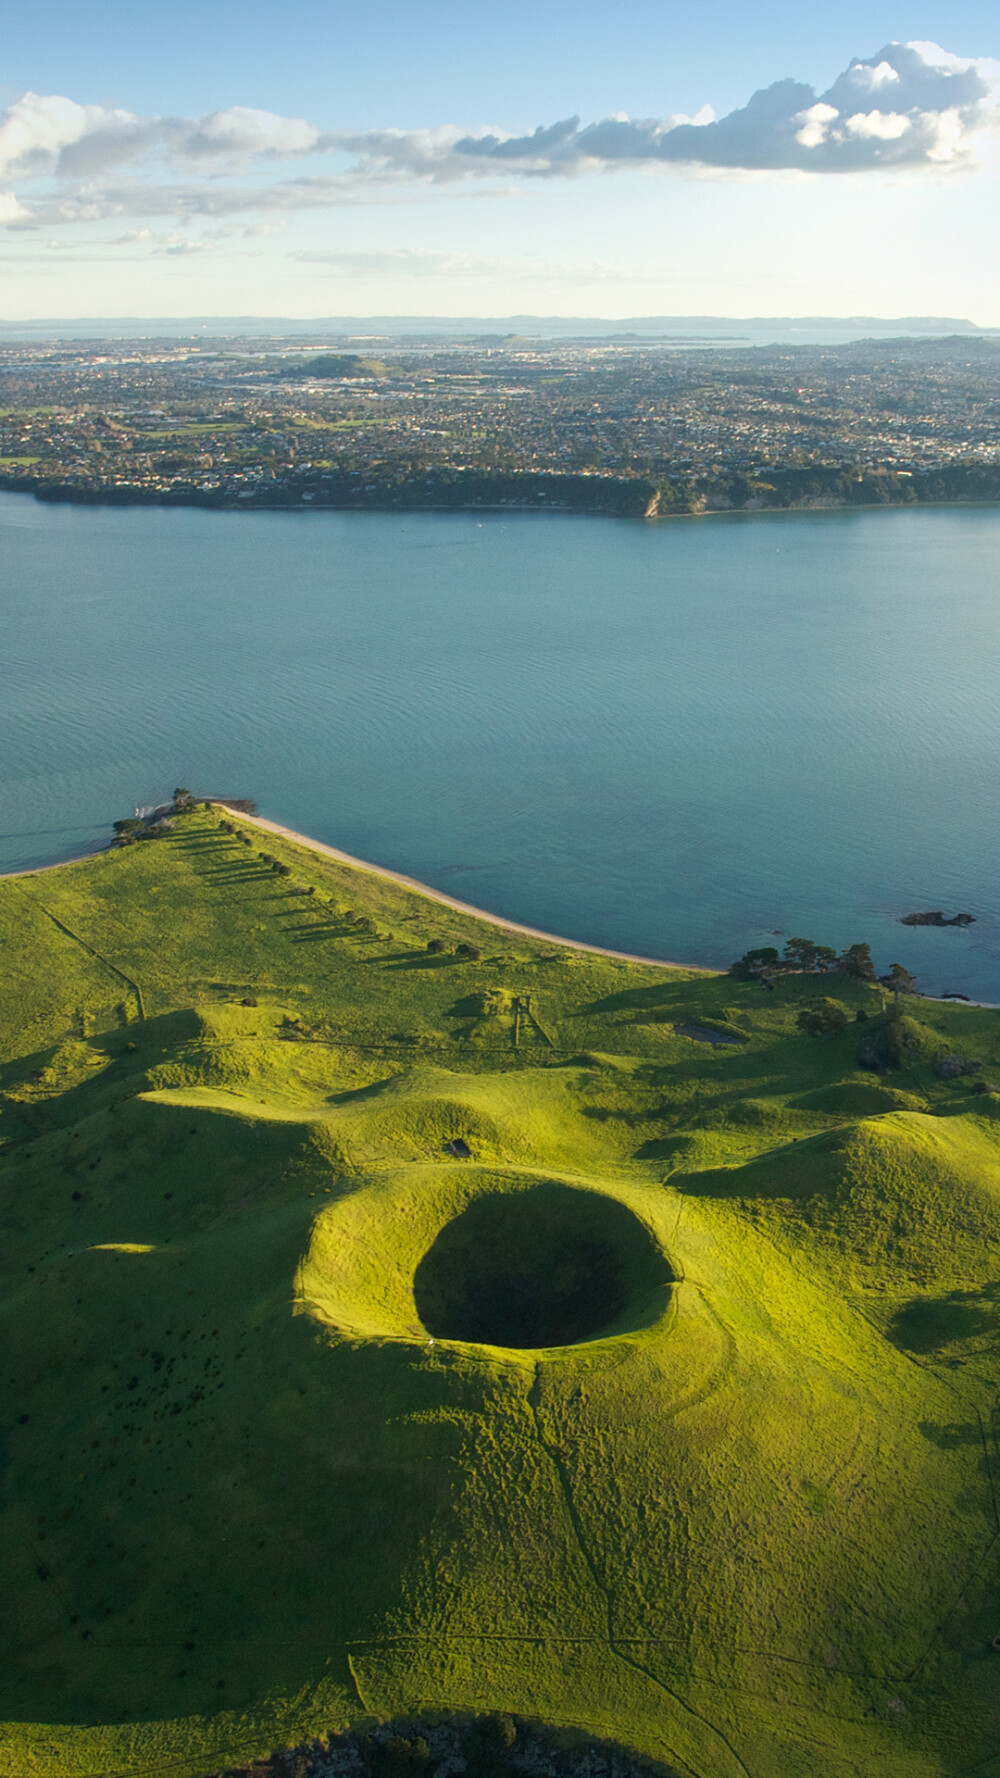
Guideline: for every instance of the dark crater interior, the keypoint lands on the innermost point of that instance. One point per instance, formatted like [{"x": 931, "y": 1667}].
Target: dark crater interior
[{"x": 548, "y": 1266}]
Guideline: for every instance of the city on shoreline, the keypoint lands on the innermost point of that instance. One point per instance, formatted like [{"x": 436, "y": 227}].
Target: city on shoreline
[{"x": 605, "y": 426}]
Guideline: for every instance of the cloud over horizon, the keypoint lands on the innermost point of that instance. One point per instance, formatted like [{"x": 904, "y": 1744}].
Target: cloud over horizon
[{"x": 912, "y": 107}]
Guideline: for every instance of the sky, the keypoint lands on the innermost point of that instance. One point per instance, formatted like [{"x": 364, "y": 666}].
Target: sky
[{"x": 425, "y": 157}]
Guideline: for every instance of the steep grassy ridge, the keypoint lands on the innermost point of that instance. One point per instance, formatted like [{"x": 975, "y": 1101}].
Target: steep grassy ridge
[{"x": 289, "y": 1435}]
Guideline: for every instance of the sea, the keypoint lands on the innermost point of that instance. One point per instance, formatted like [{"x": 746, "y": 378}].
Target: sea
[{"x": 679, "y": 738}]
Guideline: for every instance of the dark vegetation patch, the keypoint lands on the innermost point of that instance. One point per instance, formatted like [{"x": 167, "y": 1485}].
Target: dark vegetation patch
[
  {"x": 707, "y": 1034},
  {"x": 930, "y": 1324},
  {"x": 479, "y": 1746},
  {"x": 545, "y": 1267}
]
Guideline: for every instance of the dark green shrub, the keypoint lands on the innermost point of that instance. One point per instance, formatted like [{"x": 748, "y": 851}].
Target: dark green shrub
[
  {"x": 754, "y": 964},
  {"x": 899, "y": 980},
  {"x": 856, "y": 961},
  {"x": 822, "y": 1018}
]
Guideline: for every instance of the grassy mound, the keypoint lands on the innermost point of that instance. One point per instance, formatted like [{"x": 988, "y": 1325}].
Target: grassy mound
[
  {"x": 368, "y": 1353},
  {"x": 858, "y": 1098}
]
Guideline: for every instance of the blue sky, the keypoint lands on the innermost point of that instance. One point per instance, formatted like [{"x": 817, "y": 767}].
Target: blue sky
[{"x": 324, "y": 159}]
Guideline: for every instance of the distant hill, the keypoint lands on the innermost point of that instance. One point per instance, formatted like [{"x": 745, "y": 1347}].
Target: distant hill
[
  {"x": 371, "y": 330},
  {"x": 336, "y": 364}
]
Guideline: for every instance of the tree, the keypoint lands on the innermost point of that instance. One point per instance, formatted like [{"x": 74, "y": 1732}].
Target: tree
[
  {"x": 436, "y": 946},
  {"x": 856, "y": 962},
  {"x": 899, "y": 980},
  {"x": 754, "y": 964},
  {"x": 469, "y": 953},
  {"x": 488, "y": 1742},
  {"x": 822, "y": 1018},
  {"x": 800, "y": 953}
]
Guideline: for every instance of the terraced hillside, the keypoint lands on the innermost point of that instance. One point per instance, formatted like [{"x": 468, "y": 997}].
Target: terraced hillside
[{"x": 388, "y": 1331}]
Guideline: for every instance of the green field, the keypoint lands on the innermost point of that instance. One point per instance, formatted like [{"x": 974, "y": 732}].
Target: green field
[{"x": 279, "y": 1453}]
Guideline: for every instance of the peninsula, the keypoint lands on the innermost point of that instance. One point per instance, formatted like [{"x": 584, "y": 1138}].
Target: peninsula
[{"x": 409, "y": 1316}]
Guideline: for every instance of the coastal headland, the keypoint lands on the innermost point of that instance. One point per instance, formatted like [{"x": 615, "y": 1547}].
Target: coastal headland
[{"x": 407, "y": 1313}]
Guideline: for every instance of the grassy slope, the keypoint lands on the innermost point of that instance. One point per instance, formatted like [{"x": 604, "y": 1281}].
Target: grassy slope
[{"x": 752, "y": 1532}]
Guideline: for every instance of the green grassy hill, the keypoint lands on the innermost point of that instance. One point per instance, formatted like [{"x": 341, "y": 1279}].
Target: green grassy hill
[{"x": 288, "y": 1437}]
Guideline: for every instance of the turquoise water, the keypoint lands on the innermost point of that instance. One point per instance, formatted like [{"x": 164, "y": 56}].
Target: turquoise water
[{"x": 673, "y": 738}]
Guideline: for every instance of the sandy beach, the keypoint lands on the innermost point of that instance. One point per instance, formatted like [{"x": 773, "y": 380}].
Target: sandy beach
[
  {"x": 394, "y": 876},
  {"x": 461, "y": 907}
]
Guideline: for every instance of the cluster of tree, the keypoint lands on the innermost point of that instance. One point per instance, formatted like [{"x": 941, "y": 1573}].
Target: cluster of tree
[
  {"x": 890, "y": 1041},
  {"x": 801, "y": 956},
  {"x": 785, "y": 485},
  {"x": 158, "y": 824},
  {"x": 466, "y": 952},
  {"x": 479, "y": 1746},
  {"x": 822, "y": 1018},
  {"x": 135, "y": 827}
]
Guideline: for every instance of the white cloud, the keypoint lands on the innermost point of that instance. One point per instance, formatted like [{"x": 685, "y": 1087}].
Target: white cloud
[
  {"x": 172, "y": 247},
  {"x": 878, "y": 126},
  {"x": 910, "y": 107},
  {"x": 12, "y": 211},
  {"x": 814, "y": 122},
  {"x": 871, "y": 75},
  {"x": 43, "y": 134},
  {"x": 50, "y": 135},
  {"x": 241, "y": 133}
]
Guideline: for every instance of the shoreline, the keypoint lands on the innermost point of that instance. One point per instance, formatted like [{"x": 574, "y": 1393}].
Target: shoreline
[
  {"x": 451, "y": 901},
  {"x": 38, "y": 870},
  {"x": 190, "y": 501},
  {"x": 393, "y": 876}
]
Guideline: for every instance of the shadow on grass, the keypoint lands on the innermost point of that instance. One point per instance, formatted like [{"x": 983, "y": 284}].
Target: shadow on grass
[
  {"x": 660, "y": 1148},
  {"x": 125, "y": 1055},
  {"x": 953, "y": 1436},
  {"x": 234, "y": 874},
  {"x": 421, "y": 961},
  {"x": 929, "y": 1324},
  {"x": 656, "y": 1001}
]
